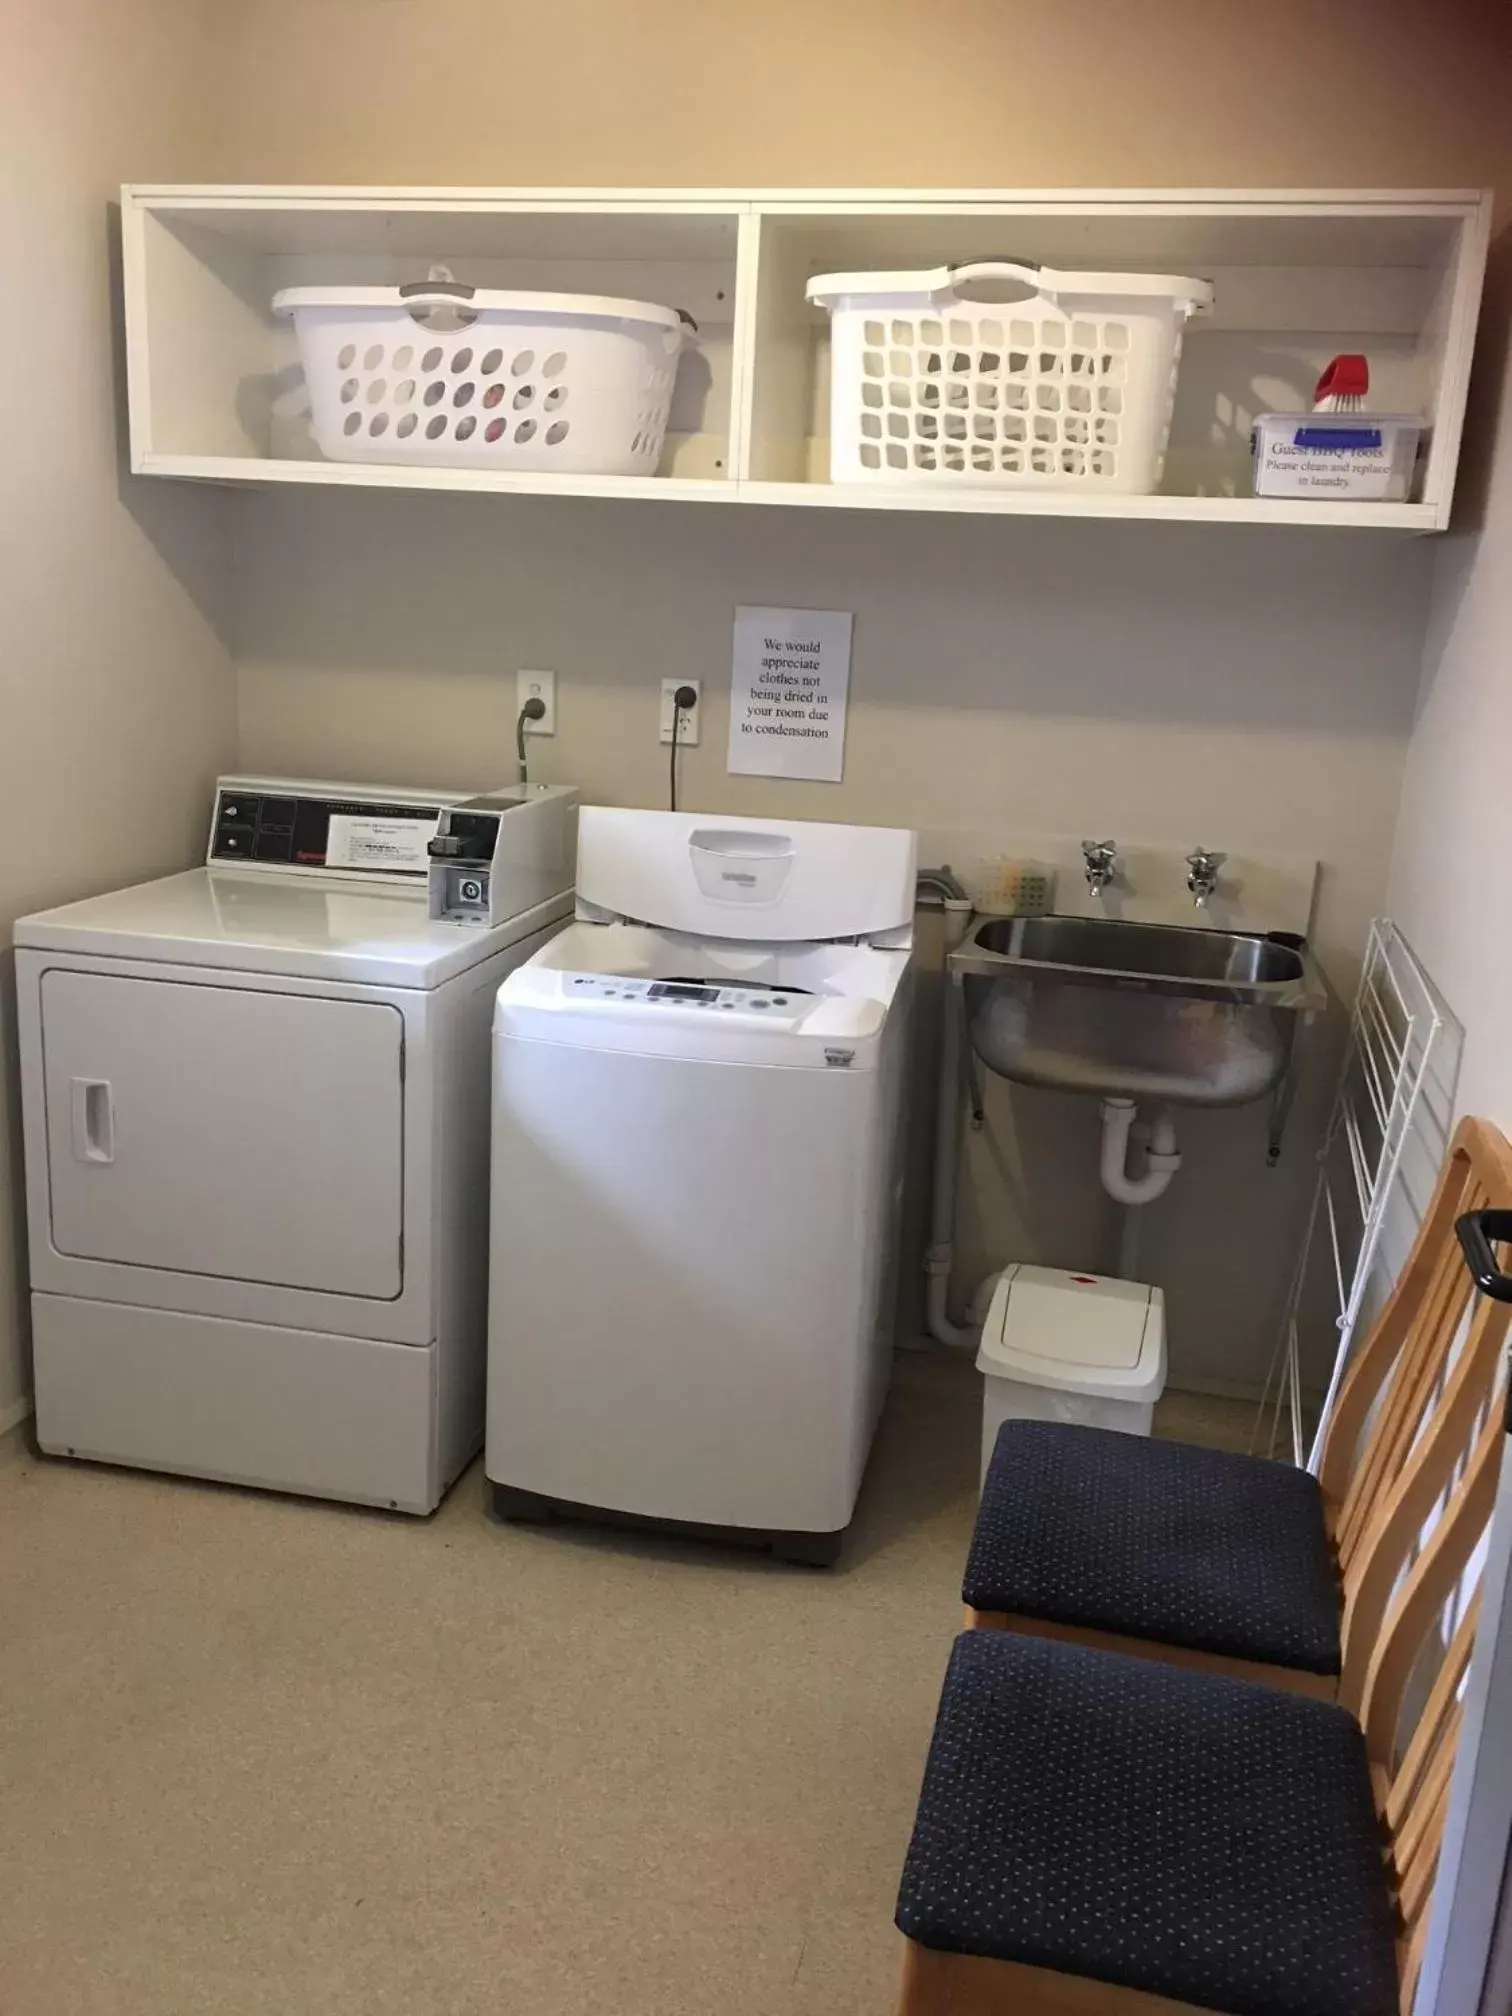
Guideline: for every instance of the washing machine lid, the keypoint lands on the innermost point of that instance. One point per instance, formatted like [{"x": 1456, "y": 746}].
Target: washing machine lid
[
  {"x": 260, "y": 922},
  {"x": 1076, "y": 1333},
  {"x": 766, "y": 880}
]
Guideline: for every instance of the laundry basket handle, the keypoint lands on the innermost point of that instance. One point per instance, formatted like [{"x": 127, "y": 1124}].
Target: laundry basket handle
[
  {"x": 435, "y": 293},
  {"x": 1190, "y": 297},
  {"x": 1025, "y": 271},
  {"x": 1029, "y": 271}
]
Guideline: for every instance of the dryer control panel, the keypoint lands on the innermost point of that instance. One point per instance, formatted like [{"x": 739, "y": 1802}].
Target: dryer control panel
[{"x": 279, "y": 824}]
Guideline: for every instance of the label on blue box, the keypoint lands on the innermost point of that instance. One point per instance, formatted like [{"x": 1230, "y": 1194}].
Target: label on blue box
[{"x": 1308, "y": 456}]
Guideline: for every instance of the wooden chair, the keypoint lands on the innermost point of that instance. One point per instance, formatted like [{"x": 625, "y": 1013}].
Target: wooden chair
[
  {"x": 1105, "y": 1835},
  {"x": 1225, "y": 1563}
]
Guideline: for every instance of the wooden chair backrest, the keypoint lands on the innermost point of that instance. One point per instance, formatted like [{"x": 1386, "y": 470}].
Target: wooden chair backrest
[
  {"x": 1411, "y": 1509},
  {"x": 1401, "y": 1363}
]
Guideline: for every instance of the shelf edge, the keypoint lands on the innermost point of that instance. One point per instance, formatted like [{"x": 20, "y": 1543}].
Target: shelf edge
[{"x": 247, "y": 473}]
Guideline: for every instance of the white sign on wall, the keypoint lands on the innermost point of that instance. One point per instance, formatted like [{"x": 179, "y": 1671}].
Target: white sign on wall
[{"x": 788, "y": 692}]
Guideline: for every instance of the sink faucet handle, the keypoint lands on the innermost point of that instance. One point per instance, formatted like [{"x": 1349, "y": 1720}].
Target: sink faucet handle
[
  {"x": 1100, "y": 861},
  {"x": 1203, "y": 864}
]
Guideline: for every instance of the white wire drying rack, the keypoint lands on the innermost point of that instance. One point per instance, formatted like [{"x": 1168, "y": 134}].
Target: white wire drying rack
[{"x": 1393, "y": 1035}]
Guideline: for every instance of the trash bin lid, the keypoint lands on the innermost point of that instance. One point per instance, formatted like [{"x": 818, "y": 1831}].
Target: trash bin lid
[{"x": 1076, "y": 1333}]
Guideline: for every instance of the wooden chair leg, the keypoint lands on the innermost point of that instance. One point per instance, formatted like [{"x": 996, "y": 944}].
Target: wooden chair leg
[
  {"x": 963, "y": 1984},
  {"x": 1286, "y": 1679}
]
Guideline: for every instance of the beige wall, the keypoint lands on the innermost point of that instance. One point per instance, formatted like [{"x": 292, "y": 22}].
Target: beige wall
[
  {"x": 1246, "y": 690},
  {"x": 859, "y": 92},
  {"x": 1449, "y": 877},
  {"x": 118, "y": 692},
  {"x": 1249, "y": 690}
]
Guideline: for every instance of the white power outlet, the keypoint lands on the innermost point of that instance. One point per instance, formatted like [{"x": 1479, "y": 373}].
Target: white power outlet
[
  {"x": 538, "y": 686},
  {"x": 687, "y": 734}
]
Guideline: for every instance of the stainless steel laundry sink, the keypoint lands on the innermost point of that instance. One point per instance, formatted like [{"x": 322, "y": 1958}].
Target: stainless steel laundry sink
[{"x": 1137, "y": 1011}]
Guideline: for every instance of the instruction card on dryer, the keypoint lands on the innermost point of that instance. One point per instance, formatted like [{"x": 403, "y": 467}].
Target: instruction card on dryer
[
  {"x": 788, "y": 693},
  {"x": 363, "y": 840}
]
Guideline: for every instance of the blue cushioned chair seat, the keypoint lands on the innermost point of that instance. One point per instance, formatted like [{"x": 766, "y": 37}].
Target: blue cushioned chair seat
[
  {"x": 1160, "y": 1540},
  {"x": 1185, "y": 1834}
]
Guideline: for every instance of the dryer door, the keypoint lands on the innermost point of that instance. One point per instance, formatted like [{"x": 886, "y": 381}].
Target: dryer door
[{"x": 189, "y": 1128}]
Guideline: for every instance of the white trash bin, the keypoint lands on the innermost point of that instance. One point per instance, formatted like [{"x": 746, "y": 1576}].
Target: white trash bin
[{"x": 1071, "y": 1347}]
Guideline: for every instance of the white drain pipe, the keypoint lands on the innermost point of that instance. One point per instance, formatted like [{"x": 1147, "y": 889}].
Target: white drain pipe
[
  {"x": 1162, "y": 1157},
  {"x": 1155, "y": 1146}
]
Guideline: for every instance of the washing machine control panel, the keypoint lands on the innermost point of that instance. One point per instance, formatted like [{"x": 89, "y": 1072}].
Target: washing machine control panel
[{"x": 785, "y": 1003}]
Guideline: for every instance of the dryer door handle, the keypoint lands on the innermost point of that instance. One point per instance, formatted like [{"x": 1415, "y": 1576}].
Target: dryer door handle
[{"x": 93, "y": 1107}]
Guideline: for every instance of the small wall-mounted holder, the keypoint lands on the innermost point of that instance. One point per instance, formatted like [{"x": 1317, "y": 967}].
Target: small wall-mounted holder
[{"x": 1013, "y": 885}]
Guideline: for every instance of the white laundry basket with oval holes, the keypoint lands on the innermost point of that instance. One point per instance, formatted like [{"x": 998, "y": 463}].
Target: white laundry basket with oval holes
[
  {"x": 1067, "y": 383},
  {"x": 444, "y": 375}
]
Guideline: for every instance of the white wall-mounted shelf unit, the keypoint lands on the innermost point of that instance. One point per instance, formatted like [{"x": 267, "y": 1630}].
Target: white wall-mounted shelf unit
[{"x": 216, "y": 391}]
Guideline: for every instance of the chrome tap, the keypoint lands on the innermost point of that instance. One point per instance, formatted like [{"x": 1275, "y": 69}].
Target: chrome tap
[
  {"x": 1100, "y": 864},
  {"x": 1202, "y": 876}
]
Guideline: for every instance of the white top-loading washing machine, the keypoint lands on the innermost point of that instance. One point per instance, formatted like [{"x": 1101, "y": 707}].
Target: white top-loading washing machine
[
  {"x": 256, "y": 1116},
  {"x": 698, "y": 1112}
]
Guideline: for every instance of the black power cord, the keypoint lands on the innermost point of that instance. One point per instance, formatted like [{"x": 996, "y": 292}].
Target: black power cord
[
  {"x": 682, "y": 701},
  {"x": 533, "y": 710}
]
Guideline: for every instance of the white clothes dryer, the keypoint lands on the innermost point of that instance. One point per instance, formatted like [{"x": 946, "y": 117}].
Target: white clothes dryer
[{"x": 256, "y": 1121}]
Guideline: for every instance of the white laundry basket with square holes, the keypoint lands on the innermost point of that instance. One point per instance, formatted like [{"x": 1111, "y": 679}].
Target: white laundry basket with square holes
[
  {"x": 1061, "y": 381},
  {"x": 456, "y": 377}
]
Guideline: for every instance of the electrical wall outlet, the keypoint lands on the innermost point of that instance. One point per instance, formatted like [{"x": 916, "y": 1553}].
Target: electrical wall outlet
[
  {"x": 538, "y": 686},
  {"x": 687, "y": 734}
]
